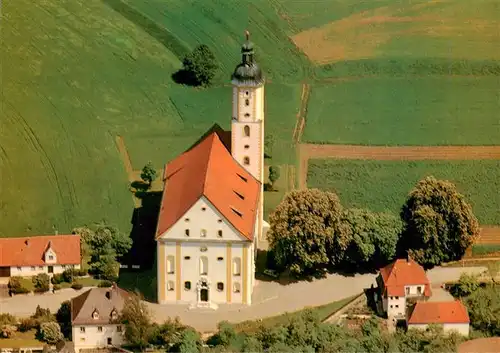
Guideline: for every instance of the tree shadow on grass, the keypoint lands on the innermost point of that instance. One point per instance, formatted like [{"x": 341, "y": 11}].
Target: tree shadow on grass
[
  {"x": 139, "y": 273},
  {"x": 161, "y": 34},
  {"x": 184, "y": 77}
]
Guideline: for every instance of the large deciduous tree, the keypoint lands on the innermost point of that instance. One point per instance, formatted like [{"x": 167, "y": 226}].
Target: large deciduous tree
[
  {"x": 200, "y": 65},
  {"x": 373, "y": 237},
  {"x": 484, "y": 309},
  {"x": 63, "y": 317},
  {"x": 439, "y": 224},
  {"x": 137, "y": 320},
  {"x": 104, "y": 243},
  {"x": 305, "y": 228}
]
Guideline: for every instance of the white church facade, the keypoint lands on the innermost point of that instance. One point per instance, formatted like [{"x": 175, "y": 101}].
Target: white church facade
[{"x": 211, "y": 214}]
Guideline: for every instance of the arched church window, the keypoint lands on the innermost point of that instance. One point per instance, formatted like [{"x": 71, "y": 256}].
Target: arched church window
[
  {"x": 247, "y": 102},
  {"x": 203, "y": 265},
  {"x": 246, "y": 160},
  {"x": 236, "y": 266},
  {"x": 246, "y": 130},
  {"x": 236, "y": 287},
  {"x": 247, "y": 115},
  {"x": 170, "y": 264}
]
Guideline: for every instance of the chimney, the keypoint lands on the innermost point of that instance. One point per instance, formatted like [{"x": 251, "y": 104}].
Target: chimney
[
  {"x": 57, "y": 232},
  {"x": 27, "y": 242}
]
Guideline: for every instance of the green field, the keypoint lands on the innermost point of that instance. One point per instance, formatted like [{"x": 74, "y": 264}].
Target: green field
[
  {"x": 405, "y": 111},
  {"x": 384, "y": 185},
  {"x": 77, "y": 73}
]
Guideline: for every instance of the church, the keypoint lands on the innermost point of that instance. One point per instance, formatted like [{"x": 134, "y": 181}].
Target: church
[{"x": 211, "y": 214}]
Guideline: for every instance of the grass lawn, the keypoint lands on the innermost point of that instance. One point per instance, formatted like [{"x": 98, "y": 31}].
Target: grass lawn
[
  {"x": 21, "y": 340},
  {"x": 322, "y": 311},
  {"x": 382, "y": 111},
  {"x": 199, "y": 109},
  {"x": 144, "y": 282},
  {"x": 27, "y": 282},
  {"x": 384, "y": 185},
  {"x": 485, "y": 249},
  {"x": 221, "y": 25},
  {"x": 85, "y": 281}
]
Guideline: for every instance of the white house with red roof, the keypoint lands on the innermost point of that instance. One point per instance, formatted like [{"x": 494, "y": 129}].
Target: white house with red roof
[
  {"x": 453, "y": 316},
  {"x": 399, "y": 281},
  {"x": 211, "y": 214},
  {"x": 29, "y": 256}
]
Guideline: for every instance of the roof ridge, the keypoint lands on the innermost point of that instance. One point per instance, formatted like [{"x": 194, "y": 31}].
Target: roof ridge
[{"x": 213, "y": 135}]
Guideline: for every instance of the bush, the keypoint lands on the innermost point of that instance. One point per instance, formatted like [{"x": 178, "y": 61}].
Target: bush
[
  {"x": 80, "y": 273},
  {"x": 77, "y": 286},
  {"x": 16, "y": 286},
  {"x": 41, "y": 282},
  {"x": 57, "y": 278},
  {"x": 7, "y": 319},
  {"x": 57, "y": 287},
  {"x": 28, "y": 324},
  {"x": 7, "y": 330},
  {"x": 105, "y": 284},
  {"x": 50, "y": 332},
  {"x": 68, "y": 275}
]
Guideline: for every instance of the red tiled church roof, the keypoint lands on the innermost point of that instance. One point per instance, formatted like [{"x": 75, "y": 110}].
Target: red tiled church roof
[
  {"x": 208, "y": 169},
  {"x": 401, "y": 273},
  {"x": 439, "y": 313},
  {"x": 29, "y": 251}
]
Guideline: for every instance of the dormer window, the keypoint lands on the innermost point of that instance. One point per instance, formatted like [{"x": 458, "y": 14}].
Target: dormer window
[
  {"x": 95, "y": 315},
  {"x": 114, "y": 314}
]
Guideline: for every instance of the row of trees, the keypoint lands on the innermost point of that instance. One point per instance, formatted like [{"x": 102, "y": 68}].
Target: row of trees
[
  {"x": 103, "y": 245},
  {"x": 303, "y": 333},
  {"x": 311, "y": 231}
]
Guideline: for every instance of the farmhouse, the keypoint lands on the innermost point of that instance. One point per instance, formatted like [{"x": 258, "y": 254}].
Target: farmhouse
[
  {"x": 211, "y": 214},
  {"x": 399, "y": 281},
  {"x": 29, "y": 256},
  {"x": 452, "y": 316},
  {"x": 94, "y": 316}
]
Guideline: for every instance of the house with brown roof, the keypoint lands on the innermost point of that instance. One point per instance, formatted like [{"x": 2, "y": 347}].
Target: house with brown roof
[
  {"x": 211, "y": 214},
  {"x": 453, "y": 316},
  {"x": 94, "y": 317},
  {"x": 400, "y": 281},
  {"x": 29, "y": 256}
]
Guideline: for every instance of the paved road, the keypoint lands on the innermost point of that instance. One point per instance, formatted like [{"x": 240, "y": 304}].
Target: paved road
[{"x": 269, "y": 299}]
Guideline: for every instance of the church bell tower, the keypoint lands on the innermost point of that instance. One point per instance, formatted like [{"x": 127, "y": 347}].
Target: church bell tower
[{"x": 247, "y": 124}]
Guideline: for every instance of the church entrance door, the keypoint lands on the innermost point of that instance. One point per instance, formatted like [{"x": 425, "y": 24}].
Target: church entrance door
[{"x": 204, "y": 295}]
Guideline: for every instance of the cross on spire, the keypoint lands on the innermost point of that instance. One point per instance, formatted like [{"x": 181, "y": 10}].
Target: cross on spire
[{"x": 247, "y": 35}]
